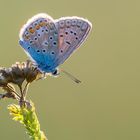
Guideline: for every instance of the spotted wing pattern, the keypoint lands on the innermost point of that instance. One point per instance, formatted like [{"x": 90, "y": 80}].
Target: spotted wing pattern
[
  {"x": 39, "y": 38},
  {"x": 72, "y": 32},
  {"x": 50, "y": 42}
]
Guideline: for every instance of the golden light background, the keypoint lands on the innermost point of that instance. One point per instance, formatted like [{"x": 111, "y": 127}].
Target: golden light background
[{"x": 106, "y": 105}]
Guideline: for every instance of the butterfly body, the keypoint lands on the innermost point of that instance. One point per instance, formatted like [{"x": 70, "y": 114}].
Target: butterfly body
[{"x": 50, "y": 42}]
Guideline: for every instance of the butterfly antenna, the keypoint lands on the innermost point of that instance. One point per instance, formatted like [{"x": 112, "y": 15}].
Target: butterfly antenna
[{"x": 71, "y": 77}]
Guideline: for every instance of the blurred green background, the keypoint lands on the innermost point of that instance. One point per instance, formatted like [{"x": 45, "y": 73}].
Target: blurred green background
[{"x": 106, "y": 105}]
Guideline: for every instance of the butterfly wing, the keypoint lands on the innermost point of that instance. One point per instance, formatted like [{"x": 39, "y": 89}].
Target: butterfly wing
[
  {"x": 72, "y": 32},
  {"x": 39, "y": 39},
  {"x": 50, "y": 42}
]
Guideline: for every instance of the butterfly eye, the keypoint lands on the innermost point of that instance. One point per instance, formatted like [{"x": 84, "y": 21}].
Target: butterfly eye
[
  {"x": 39, "y": 35},
  {"x": 56, "y": 72},
  {"x": 74, "y": 33},
  {"x": 61, "y": 51},
  {"x": 38, "y": 51}
]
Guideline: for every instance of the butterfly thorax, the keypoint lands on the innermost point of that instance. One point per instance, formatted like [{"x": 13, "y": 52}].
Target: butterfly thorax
[{"x": 46, "y": 68}]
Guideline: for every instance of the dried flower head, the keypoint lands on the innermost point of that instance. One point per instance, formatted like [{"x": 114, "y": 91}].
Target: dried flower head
[
  {"x": 5, "y": 77},
  {"x": 31, "y": 72},
  {"x": 20, "y": 72},
  {"x": 17, "y": 74}
]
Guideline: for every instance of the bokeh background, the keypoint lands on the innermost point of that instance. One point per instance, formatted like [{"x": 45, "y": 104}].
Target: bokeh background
[{"x": 106, "y": 105}]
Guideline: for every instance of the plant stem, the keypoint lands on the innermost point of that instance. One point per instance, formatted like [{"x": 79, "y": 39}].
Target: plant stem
[
  {"x": 26, "y": 90},
  {"x": 13, "y": 91}
]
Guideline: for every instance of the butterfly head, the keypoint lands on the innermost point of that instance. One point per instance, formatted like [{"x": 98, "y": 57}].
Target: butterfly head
[{"x": 55, "y": 72}]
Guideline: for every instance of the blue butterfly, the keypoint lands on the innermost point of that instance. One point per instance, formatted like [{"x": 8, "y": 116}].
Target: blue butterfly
[{"x": 50, "y": 42}]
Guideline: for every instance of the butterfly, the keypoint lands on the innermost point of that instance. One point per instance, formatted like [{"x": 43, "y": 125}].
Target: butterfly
[{"x": 50, "y": 42}]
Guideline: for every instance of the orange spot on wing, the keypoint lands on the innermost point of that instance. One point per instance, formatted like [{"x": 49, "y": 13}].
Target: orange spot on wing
[
  {"x": 37, "y": 27},
  {"x": 42, "y": 24},
  {"x": 31, "y": 31},
  {"x": 27, "y": 37}
]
